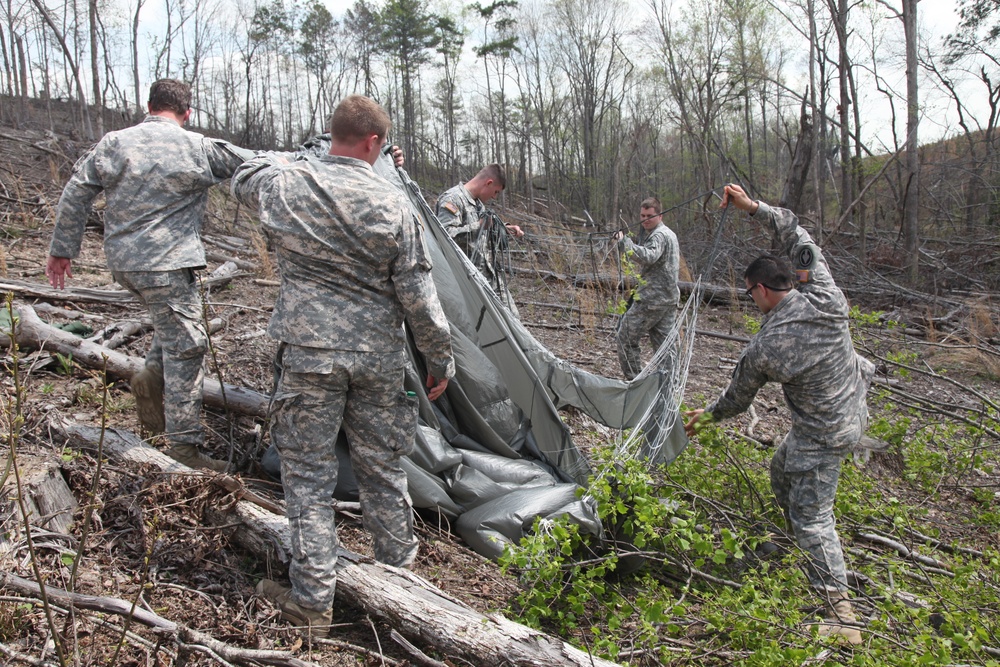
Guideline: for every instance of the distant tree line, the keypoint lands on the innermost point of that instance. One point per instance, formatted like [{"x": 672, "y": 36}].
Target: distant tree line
[{"x": 591, "y": 104}]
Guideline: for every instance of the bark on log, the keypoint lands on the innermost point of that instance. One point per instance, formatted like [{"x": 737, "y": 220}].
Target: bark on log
[
  {"x": 115, "y": 335},
  {"x": 888, "y": 298},
  {"x": 411, "y": 605},
  {"x": 92, "y": 602},
  {"x": 24, "y": 288},
  {"x": 47, "y": 499},
  {"x": 250, "y": 267},
  {"x": 64, "y": 312},
  {"x": 32, "y": 332}
]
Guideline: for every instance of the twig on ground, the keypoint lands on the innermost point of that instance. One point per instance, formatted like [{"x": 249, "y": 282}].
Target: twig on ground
[
  {"x": 903, "y": 550},
  {"x": 418, "y": 655},
  {"x": 158, "y": 623},
  {"x": 17, "y": 656}
]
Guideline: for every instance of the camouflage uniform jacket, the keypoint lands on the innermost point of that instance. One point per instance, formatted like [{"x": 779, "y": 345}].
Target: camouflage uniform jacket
[
  {"x": 155, "y": 177},
  {"x": 805, "y": 344},
  {"x": 460, "y": 215},
  {"x": 658, "y": 257},
  {"x": 351, "y": 255}
]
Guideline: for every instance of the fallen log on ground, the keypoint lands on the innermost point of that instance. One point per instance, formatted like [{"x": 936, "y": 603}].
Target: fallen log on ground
[
  {"x": 221, "y": 277},
  {"x": 411, "y": 605},
  {"x": 31, "y": 332},
  {"x": 710, "y": 293},
  {"x": 24, "y": 288}
]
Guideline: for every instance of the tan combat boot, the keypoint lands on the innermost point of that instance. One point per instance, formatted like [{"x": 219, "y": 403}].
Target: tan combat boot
[
  {"x": 316, "y": 622},
  {"x": 839, "y": 621},
  {"x": 192, "y": 458},
  {"x": 147, "y": 387}
]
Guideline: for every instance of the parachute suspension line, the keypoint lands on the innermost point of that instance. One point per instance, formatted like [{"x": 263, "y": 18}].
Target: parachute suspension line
[
  {"x": 493, "y": 244},
  {"x": 655, "y": 429},
  {"x": 671, "y": 362}
]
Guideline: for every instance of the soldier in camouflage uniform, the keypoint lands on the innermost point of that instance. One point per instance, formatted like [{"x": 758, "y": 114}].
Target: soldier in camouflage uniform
[
  {"x": 653, "y": 310},
  {"x": 155, "y": 177},
  {"x": 805, "y": 344},
  {"x": 462, "y": 212},
  {"x": 353, "y": 265}
]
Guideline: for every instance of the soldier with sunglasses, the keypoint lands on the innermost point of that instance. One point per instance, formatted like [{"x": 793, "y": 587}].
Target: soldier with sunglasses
[{"x": 804, "y": 343}]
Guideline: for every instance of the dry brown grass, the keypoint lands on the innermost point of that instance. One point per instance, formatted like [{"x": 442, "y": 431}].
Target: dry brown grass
[
  {"x": 684, "y": 273},
  {"x": 591, "y": 310},
  {"x": 932, "y": 332},
  {"x": 259, "y": 244},
  {"x": 55, "y": 174},
  {"x": 966, "y": 360},
  {"x": 981, "y": 321}
]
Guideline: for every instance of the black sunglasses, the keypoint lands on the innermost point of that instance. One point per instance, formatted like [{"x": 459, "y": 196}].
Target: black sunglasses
[{"x": 773, "y": 289}]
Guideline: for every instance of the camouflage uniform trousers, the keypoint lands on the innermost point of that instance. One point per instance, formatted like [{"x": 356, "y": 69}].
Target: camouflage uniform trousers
[
  {"x": 318, "y": 390},
  {"x": 178, "y": 347},
  {"x": 807, "y": 500},
  {"x": 639, "y": 320}
]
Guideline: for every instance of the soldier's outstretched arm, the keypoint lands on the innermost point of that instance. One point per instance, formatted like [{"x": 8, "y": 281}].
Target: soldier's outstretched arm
[
  {"x": 411, "y": 276},
  {"x": 782, "y": 223},
  {"x": 735, "y": 195},
  {"x": 254, "y": 175},
  {"x": 807, "y": 259},
  {"x": 224, "y": 157}
]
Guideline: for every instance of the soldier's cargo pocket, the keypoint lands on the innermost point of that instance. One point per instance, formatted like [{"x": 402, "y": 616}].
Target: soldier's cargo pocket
[{"x": 404, "y": 428}]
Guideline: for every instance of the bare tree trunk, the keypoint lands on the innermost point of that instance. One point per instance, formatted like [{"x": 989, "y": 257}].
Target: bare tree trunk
[
  {"x": 135, "y": 56},
  {"x": 818, "y": 116},
  {"x": 840, "y": 14},
  {"x": 13, "y": 56},
  {"x": 911, "y": 196},
  {"x": 858, "y": 173},
  {"x": 7, "y": 69},
  {"x": 74, "y": 67},
  {"x": 798, "y": 171},
  {"x": 95, "y": 70},
  {"x": 22, "y": 68}
]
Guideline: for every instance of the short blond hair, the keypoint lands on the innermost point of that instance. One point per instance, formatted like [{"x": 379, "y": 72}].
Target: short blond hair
[
  {"x": 357, "y": 117},
  {"x": 653, "y": 203},
  {"x": 495, "y": 173}
]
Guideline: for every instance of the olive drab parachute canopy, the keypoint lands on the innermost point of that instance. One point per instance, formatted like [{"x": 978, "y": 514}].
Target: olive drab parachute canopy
[{"x": 493, "y": 454}]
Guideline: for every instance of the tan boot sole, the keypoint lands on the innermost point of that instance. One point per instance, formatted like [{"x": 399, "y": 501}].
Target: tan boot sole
[{"x": 315, "y": 622}]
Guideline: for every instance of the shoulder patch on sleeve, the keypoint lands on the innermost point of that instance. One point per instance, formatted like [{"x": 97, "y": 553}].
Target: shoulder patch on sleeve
[{"x": 450, "y": 207}]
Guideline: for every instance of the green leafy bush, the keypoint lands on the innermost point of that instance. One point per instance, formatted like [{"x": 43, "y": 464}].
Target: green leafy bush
[{"x": 695, "y": 569}]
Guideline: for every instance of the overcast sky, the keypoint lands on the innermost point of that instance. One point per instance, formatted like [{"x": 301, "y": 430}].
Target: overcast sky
[{"x": 937, "y": 18}]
